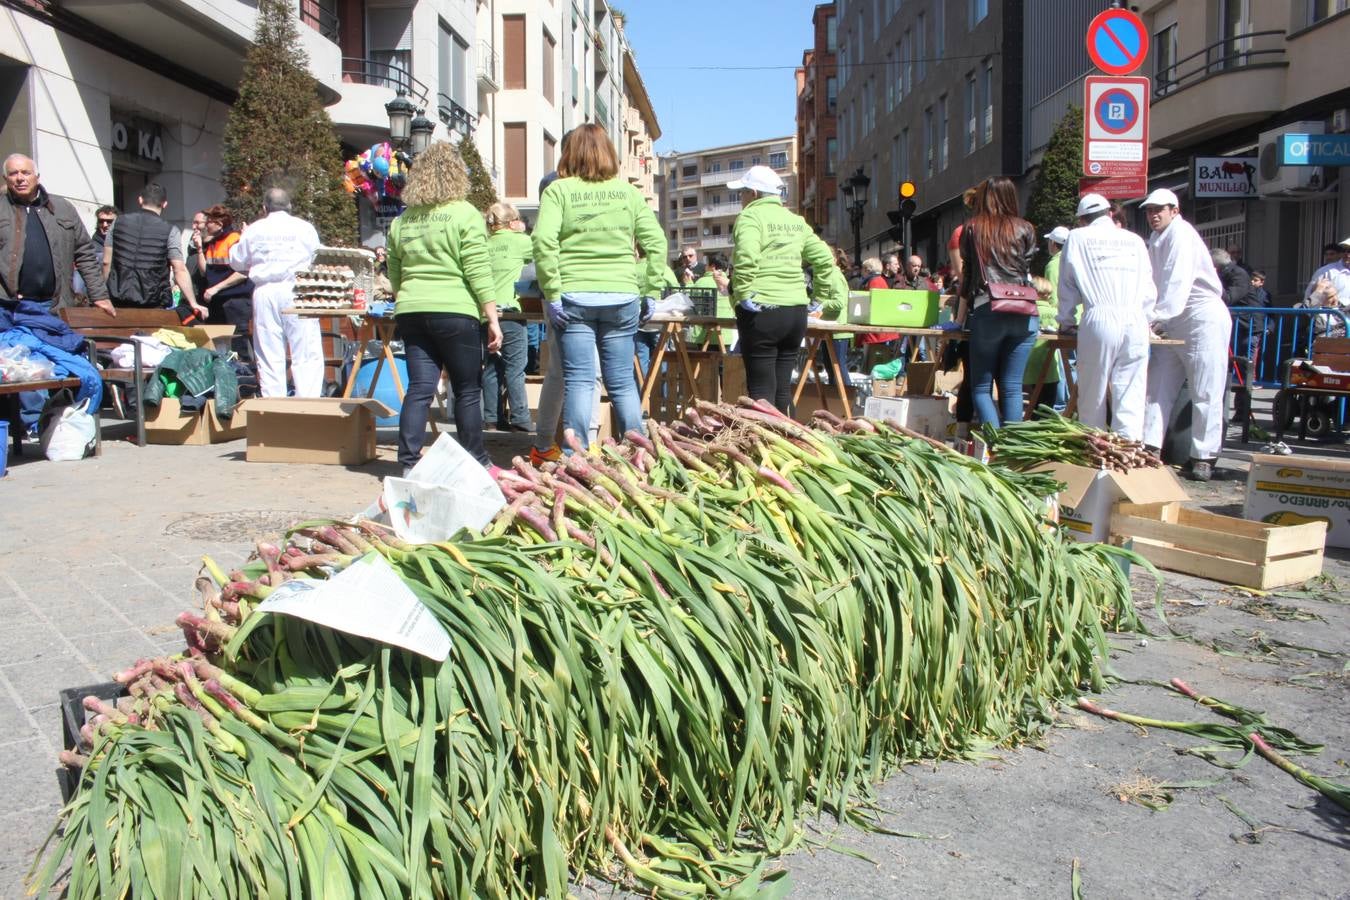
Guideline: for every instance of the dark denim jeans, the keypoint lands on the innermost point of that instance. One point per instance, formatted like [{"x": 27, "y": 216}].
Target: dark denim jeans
[
  {"x": 609, "y": 329},
  {"x": 644, "y": 344},
  {"x": 506, "y": 369},
  {"x": 999, "y": 346},
  {"x": 436, "y": 341}
]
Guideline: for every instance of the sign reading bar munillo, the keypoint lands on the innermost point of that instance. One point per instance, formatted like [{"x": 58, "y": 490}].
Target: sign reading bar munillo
[{"x": 1224, "y": 176}]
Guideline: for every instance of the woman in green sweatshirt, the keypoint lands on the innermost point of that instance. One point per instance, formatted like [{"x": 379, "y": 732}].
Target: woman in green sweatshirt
[
  {"x": 510, "y": 249},
  {"x": 767, "y": 284},
  {"x": 441, "y": 273},
  {"x": 589, "y": 220}
]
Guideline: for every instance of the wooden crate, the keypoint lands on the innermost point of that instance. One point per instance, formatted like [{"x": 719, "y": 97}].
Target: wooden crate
[{"x": 1236, "y": 551}]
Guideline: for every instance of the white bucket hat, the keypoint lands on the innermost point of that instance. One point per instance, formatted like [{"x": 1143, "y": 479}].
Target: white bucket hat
[{"x": 761, "y": 179}]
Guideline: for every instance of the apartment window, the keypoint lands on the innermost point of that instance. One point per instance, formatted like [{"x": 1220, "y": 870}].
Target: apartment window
[
  {"x": 972, "y": 113},
  {"x": 517, "y": 172},
  {"x": 869, "y": 105},
  {"x": 830, "y": 214},
  {"x": 1234, "y": 26},
  {"x": 778, "y": 160},
  {"x": 390, "y": 41},
  {"x": 987, "y": 134},
  {"x": 736, "y": 165},
  {"x": 906, "y": 64},
  {"x": 716, "y": 230},
  {"x": 674, "y": 234},
  {"x": 831, "y": 35},
  {"x": 454, "y": 65},
  {"x": 876, "y": 186},
  {"x": 513, "y": 52},
  {"x": 978, "y": 9},
  {"x": 689, "y": 172},
  {"x": 831, "y": 92},
  {"x": 890, "y": 82},
  {"x": 943, "y": 133},
  {"x": 550, "y": 53},
  {"x": 928, "y": 142},
  {"x": 754, "y": 160},
  {"x": 690, "y": 233},
  {"x": 939, "y": 28},
  {"x": 904, "y": 154},
  {"x": 689, "y": 202},
  {"x": 1325, "y": 9},
  {"x": 715, "y": 167},
  {"x": 920, "y": 47},
  {"x": 550, "y": 153},
  {"x": 1165, "y": 58},
  {"x": 715, "y": 200},
  {"x": 862, "y": 33},
  {"x": 831, "y": 154},
  {"x": 895, "y": 161}
]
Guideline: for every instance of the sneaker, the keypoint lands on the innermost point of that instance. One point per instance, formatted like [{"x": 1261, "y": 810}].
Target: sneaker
[
  {"x": 552, "y": 454},
  {"x": 1201, "y": 470}
]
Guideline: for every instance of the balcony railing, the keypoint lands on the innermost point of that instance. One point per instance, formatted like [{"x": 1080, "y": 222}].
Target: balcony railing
[
  {"x": 455, "y": 117},
  {"x": 487, "y": 67},
  {"x": 323, "y": 20},
  {"x": 357, "y": 70},
  {"x": 1235, "y": 52}
]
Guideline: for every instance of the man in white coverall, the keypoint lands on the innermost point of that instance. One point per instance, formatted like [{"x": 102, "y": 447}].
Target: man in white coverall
[
  {"x": 271, "y": 250},
  {"x": 1106, "y": 269},
  {"x": 1189, "y": 309}
]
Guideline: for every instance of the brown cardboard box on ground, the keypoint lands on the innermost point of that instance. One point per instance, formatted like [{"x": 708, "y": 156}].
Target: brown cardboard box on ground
[
  {"x": 810, "y": 402},
  {"x": 330, "y": 430},
  {"x": 1091, "y": 495},
  {"x": 168, "y": 424}
]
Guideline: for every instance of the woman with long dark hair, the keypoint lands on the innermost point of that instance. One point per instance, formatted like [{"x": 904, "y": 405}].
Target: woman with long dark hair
[{"x": 997, "y": 246}]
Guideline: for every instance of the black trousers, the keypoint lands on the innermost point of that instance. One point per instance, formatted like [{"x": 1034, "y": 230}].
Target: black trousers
[
  {"x": 434, "y": 342},
  {"x": 770, "y": 341}
]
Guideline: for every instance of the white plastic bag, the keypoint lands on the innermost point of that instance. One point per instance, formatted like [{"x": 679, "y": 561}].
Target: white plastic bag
[{"x": 69, "y": 433}]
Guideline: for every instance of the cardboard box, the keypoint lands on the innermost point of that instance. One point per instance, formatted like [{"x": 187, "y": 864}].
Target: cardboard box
[
  {"x": 811, "y": 401},
  {"x": 929, "y": 416},
  {"x": 1090, "y": 495},
  {"x": 168, "y": 424},
  {"x": 888, "y": 388},
  {"x": 1221, "y": 548},
  {"x": 1288, "y": 490},
  {"x": 329, "y": 430},
  {"x": 901, "y": 309}
]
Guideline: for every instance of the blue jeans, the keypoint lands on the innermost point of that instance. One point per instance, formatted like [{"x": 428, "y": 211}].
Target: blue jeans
[
  {"x": 534, "y": 331},
  {"x": 644, "y": 344},
  {"x": 999, "y": 346},
  {"x": 507, "y": 369},
  {"x": 609, "y": 329}
]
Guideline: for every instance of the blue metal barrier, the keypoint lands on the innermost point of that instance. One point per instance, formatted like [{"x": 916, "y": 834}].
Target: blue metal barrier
[{"x": 1279, "y": 334}]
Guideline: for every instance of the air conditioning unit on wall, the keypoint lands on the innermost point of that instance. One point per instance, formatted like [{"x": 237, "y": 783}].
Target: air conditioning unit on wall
[{"x": 1273, "y": 179}]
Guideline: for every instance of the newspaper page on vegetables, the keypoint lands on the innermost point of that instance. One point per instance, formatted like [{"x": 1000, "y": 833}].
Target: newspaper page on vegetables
[
  {"x": 447, "y": 490},
  {"x": 368, "y": 599}
]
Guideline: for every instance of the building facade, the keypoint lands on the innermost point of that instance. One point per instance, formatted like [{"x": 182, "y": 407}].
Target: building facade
[
  {"x": 697, "y": 208},
  {"x": 926, "y": 88},
  {"x": 1230, "y": 77},
  {"x": 639, "y": 133},
  {"x": 817, "y": 140}
]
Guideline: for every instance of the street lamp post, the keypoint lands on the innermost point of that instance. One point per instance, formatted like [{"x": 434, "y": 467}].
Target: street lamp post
[
  {"x": 409, "y": 129},
  {"x": 855, "y": 200}
]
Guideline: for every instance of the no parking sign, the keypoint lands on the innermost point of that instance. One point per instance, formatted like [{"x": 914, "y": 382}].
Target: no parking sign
[{"x": 1115, "y": 127}]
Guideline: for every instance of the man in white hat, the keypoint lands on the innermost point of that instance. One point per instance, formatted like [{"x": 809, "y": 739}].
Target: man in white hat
[
  {"x": 1107, "y": 270},
  {"x": 1190, "y": 309},
  {"x": 1337, "y": 272}
]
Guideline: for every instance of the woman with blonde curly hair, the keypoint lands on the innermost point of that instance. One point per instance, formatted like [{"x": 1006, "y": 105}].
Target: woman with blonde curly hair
[
  {"x": 441, "y": 273},
  {"x": 510, "y": 249}
]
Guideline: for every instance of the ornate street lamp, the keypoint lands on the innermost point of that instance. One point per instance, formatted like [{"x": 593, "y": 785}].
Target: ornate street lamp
[
  {"x": 422, "y": 129},
  {"x": 401, "y": 113},
  {"x": 855, "y": 201}
]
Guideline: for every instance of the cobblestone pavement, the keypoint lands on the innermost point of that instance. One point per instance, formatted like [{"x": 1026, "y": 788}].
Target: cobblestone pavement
[{"x": 98, "y": 557}]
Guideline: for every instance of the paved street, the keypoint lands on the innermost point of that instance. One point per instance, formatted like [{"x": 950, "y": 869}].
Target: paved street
[{"x": 99, "y": 556}]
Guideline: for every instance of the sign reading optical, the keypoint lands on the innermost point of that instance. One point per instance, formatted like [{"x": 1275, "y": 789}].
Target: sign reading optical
[{"x": 1315, "y": 149}]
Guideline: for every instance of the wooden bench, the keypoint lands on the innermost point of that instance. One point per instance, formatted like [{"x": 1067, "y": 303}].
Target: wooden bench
[{"x": 104, "y": 332}]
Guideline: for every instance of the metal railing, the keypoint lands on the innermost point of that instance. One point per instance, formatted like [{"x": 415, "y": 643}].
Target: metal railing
[
  {"x": 1272, "y": 337},
  {"x": 358, "y": 70},
  {"x": 323, "y": 20},
  {"x": 1229, "y": 54},
  {"x": 455, "y": 117}
]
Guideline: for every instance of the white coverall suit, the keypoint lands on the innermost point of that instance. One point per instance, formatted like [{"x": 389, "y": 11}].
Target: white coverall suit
[
  {"x": 271, "y": 251},
  {"x": 1190, "y": 309},
  {"x": 1107, "y": 270}
]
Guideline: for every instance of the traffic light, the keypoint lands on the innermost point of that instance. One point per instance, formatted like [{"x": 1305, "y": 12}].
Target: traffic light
[{"x": 900, "y": 217}]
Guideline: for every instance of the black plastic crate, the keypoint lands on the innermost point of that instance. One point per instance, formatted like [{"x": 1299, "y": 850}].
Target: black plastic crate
[{"x": 73, "y": 717}]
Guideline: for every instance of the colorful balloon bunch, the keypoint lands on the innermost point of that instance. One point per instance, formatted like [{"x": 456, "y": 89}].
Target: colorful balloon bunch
[{"x": 378, "y": 173}]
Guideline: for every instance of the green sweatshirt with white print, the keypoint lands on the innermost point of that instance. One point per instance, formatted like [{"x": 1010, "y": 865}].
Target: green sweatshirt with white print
[
  {"x": 510, "y": 251},
  {"x": 584, "y": 236},
  {"x": 438, "y": 260},
  {"x": 772, "y": 242}
]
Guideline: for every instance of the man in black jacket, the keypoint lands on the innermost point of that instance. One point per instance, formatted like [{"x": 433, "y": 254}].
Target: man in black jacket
[{"x": 140, "y": 252}]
